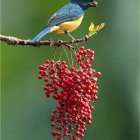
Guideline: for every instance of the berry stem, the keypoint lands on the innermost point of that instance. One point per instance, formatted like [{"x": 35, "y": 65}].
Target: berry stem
[
  {"x": 54, "y": 53},
  {"x": 67, "y": 56},
  {"x": 71, "y": 56},
  {"x": 60, "y": 54},
  {"x": 74, "y": 53}
]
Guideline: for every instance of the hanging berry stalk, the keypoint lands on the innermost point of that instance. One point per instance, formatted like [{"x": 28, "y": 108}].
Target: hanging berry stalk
[{"x": 74, "y": 89}]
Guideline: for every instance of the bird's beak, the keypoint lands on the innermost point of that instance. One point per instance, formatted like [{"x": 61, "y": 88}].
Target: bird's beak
[{"x": 93, "y": 4}]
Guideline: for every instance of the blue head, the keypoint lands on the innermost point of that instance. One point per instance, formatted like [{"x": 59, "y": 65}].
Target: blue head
[{"x": 85, "y": 4}]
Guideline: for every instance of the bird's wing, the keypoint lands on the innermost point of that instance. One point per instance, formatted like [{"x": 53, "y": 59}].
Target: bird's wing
[{"x": 69, "y": 12}]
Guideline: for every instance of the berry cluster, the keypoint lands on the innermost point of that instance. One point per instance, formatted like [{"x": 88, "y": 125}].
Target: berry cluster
[{"x": 74, "y": 89}]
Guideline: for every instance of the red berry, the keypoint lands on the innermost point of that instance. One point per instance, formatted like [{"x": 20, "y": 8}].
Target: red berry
[{"x": 82, "y": 48}]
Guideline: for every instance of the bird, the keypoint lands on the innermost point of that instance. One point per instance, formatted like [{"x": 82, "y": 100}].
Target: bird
[{"x": 66, "y": 19}]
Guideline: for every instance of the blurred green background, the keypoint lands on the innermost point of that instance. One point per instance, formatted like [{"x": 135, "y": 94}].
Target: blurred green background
[{"x": 25, "y": 110}]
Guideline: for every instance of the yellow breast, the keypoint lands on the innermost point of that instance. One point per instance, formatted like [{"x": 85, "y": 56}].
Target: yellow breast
[{"x": 67, "y": 26}]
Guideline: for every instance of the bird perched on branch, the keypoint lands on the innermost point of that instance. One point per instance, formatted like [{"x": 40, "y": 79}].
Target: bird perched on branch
[{"x": 67, "y": 19}]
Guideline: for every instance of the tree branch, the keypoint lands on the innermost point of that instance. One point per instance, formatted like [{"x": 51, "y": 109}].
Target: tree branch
[{"x": 17, "y": 41}]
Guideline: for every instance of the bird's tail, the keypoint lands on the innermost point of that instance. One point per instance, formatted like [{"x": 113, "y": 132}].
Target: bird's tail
[{"x": 42, "y": 34}]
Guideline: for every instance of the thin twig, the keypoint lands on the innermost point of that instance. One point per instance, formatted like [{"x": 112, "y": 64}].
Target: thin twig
[
  {"x": 54, "y": 53},
  {"x": 60, "y": 54},
  {"x": 17, "y": 41},
  {"x": 66, "y": 55},
  {"x": 71, "y": 56},
  {"x": 74, "y": 52}
]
